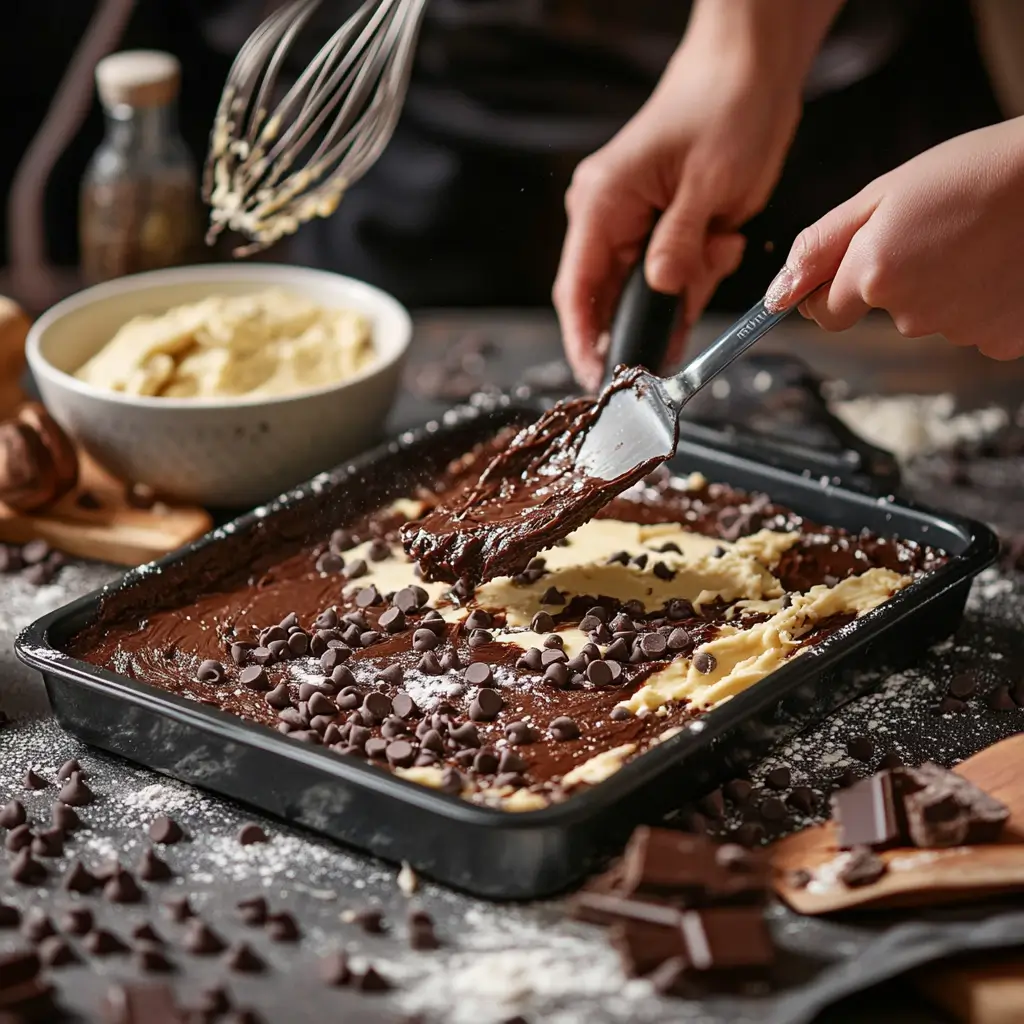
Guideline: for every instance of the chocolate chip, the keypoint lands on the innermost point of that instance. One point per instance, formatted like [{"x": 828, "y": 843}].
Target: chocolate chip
[
  {"x": 678, "y": 610},
  {"x": 653, "y": 645},
  {"x": 355, "y": 569},
  {"x": 620, "y": 714},
  {"x": 19, "y": 838},
  {"x": 36, "y": 924},
  {"x": 101, "y": 942},
  {"x": 282, "y": 927},
  {"x": 298, "y": 644},
  {"x": 255, "y": 678},
  {"x": 318, "y": 704},
  {"x": 31, "y": 780},
  {"x": 77, "y": 921},
  {"x": 213, "y": 1000},
  {"x": 429, "y": 664},
  {"x": 279, "y": 649},
  {"x": 400, "y": 754},
  {"x": 253, "y": 910},
  {"x": 485, "y": 761},
  {"x": 75, "y": 792},
  {"x": 552, "y": 596},
  {"x": 64, "y": 818},
  {"x": 465, "y": 735},
  {"x": 121, "y": 887},
  {"x": 49, "y": 843},
  {"x": 10, "y": 917},
  {"x": 486, "y": 704},
  {"x": 749, "y": 834},
  {"x": 772, "y": 809},
  {"x": 330, "y": 562},
  {"x": 712, "y": 804},
  {"x": 393, "y": 620},
  {"x": 542, "y": 622},
  {"x": 530, "y": 660},
  {"x": 480, "y": 637},
  {"x": 153, "y": 961},
  {"x": 863, "y": 867},
  {"x": 178, "y": 908},
  {"x": 603, "y": 673},
  {"x": 210, "y": 671},
  {"x": 963, "y": 686},
  {"x": 951, "y": 706},
  {"x": 424, "y": 640},
  {"x": 367, "y": 597},
  {"x": 378, "y": 550},
  {"x": 393, "y": 675},
  {"x": 78, "y": 878},
  {"x": 847, "y": 778},
  {"x": 510, "y": 761},
  {"x": 262, "y": 656},
  {"x": 861, "y": 747},
  {"x": 404, "y": 706},
  {"x": 640, "y": 561},
  {"x": 452, "y": 782},
  {"x": 662, "y": 571},
  {"x": 478, "y": 619},
  {"x": 779, "y": 778},
  {"x": 370, "y": 980},
  {"x": 891, "y": 759},
  {"x": 65, "y": 770},
  {"x": 153, "y": 869},
  {"x": 145, "y": 932},
  {"x": 341, "y": 540},
  {"x": 334, "y": 969},
  {"x": 589, "y": 623},
  {"x": 478, "y": 674},
  {"x": 25, "y": 870},
  {"x": 200, "y": 940},
  {"x": 1000, "y": 700},
  {"x": 251, "y": 833},
  {"x": 563, "y": 728},
  {"x": 519, "y": 733},
  {"x": 377, "y": 705},
  {"x": 802, "y": 799},
  {"x": 552, "y": 655},
  {"x": 12, "y": 814},
  {"x": 370, "y": 920},
  {"x": 376, "y": 748},
  {"x": 557, "y": 675},
  {"x": 704, "y": 662},
  {"x": 342, "y": 677}
]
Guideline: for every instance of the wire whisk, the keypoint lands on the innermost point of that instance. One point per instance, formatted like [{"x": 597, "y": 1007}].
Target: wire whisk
[{"x": 271, "y": 168}]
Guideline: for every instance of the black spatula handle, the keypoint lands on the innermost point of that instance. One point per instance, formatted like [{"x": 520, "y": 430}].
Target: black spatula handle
[{"x": 643, "y": 324}]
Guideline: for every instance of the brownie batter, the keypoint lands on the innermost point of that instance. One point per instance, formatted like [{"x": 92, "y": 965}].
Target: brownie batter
[{"x": 678, "y": 594}]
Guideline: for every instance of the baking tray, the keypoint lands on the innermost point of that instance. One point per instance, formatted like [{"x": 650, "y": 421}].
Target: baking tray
[{"x": 486, "y": 851}]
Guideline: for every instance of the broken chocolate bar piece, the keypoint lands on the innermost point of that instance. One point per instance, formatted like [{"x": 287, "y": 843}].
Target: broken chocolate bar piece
[
  {"x": 142, "y": 1004},
  {"x": 643, "y": 946},
  {"x": 867, "y": 813},
  {"x": 692, "y": 870},
  {"x": 944, "y": 809},
  {"x": 599, "y": 908}
]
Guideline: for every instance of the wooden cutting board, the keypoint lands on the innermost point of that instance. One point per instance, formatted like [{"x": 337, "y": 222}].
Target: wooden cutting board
[
  {"x": 920, "y": 877},
  {"x": 974, "y": 991},
  {"x": 115, "y": 531}
]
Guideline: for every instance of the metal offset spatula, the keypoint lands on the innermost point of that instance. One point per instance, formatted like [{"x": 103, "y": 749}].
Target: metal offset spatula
[{"x": 638, "y": 424}]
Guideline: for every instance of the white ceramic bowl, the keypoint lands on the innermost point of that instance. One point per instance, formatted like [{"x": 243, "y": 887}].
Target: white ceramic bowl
[{"x": 220, "y": 453}]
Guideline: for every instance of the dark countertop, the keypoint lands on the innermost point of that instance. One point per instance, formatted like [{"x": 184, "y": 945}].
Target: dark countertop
[{"x": 497, "y": 962}]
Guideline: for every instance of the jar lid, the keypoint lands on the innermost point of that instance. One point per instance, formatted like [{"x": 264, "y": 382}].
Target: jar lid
[{"x": 138, "y": 78}]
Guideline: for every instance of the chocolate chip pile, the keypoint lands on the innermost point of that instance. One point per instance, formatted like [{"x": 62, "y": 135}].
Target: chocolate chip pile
[
  {"x": 59, "y": 933},
  {"x": 35, "y": 562},
  {"x": 686, "y": 913}
]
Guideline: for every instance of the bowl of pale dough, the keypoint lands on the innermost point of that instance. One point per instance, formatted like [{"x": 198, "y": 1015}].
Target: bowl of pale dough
[{"x": 224, "y": 426}]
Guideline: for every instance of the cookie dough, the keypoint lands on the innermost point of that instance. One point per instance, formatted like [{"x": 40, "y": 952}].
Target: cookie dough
[{"x": 264, "y": 344}]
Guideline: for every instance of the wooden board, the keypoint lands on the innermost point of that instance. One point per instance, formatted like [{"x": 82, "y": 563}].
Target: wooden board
[
  {"x": 975, "y": 991},
  {"x": 115, "y": 532},
  {"x": 921, "y": 877}
]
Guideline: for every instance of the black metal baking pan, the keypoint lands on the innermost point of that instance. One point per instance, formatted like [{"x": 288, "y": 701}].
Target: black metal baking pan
[{"x": 488, "y": 852}]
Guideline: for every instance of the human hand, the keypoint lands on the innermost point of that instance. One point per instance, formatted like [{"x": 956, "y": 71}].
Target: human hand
[
  {"x": 706, "y": 149},
  {"x": 935, "y": 242}
]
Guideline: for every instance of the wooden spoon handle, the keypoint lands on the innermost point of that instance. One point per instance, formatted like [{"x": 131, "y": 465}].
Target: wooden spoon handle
[{"x": 14, "y": 325}]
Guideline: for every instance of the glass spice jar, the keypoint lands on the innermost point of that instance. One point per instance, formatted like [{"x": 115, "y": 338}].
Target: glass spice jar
[{"x": 139, "y": 206}]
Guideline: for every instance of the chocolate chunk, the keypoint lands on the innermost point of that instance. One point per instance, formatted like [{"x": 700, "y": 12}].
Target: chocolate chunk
[
  {"x": 36, "y": 924},
  {"x": 49, "y": 843},
  {"x": 75, "y": 792},
  {"x": 563, "y": 728},
  {"x": 78, "y": 878},
  {"x": 704, "y": 662},
  {"x": 12, "y": 814},
  {"x": 802, "y": 799},
  {"x": 253, "y": 910},
  {"x": 282, "y": 927},
  {"x": 178, "y": 908},
  {"x": 31, "y": 780},
  {"x": 866, "y": 813},
  {"x": 943, "y": 809},
  {"x": 861, "y": 747},
  {"x": 121, "y": 887},
  {"x": 152, "y": 868},
  {"x": 101, "y": 942},
  {"x": 251, "y": 833},
  {"x": 486, "y": 704},
  {"x": 779, "y": 778},
  {"x": 963, "y": 686},
  {"x": 863, "y": 867},
  {"x": 335, "y": 970},
  {"x": 65, "y": 770},
  {"x": 199, "y": 939},
  {"x": 370, "y": 980},
  {"x": 25, "y": 870}
]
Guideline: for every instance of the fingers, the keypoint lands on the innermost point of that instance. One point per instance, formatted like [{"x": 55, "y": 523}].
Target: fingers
[
  {"x": 818, "y": 252},
  {"x": 674, "y": 255},
  {"x": 838, "y": 305}
]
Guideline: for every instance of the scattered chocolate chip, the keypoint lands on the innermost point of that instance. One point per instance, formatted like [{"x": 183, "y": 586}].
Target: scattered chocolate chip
[
  {"x": 737, "y": 791},
  {"x": 712, "y": 804},
  {"x": 78, "y": 878},
  {"x": 36, "y": 924},
  {"x": 486, "y": 704},
  {"x": 563, "y": 728},
  {"x": 662, "y": 571},
  {"x": 201, "y": 940},
  {"x": 749, "y": 834},
  {"x": 49, "y": 843},
  {"x": 772, "y": 809},
  {"x": 802, "y": 799},
  {"x": 282, "y": 927},
  {"x": 422, "y": 935},
  {"x": 370, "y": 980},
  {"x": 393, "y": 675},
  {"x": 77, "y": 921},
  {"x": 121, "y": 887},
  {"x": 251, "y": 833},
  {"x": 378, "y": 550},
  {"x": 620, "y": 714},
  {"x": 779, "y": 778},
  {"x": 376, "y": 748},
  {"x": 341, "y": 540},
  {"x": 75, "y": 792},
  {"x": 253, "y": 910},
  {"x": 479, "y": 674},
  {"x": 178, "y": 908},
  {"x": 963, "y": 686},
  {"x": 951, "y": 706},
  {"x": 65, "y": 818},
  {"x": 10, "y": 917},
  {"x": 552, "y": 596},
  {"x": 452, "y": 782},
  {"x": 393, "y": 620},
  {"x": 56, "y": 952},
  {"x": 19, "y": 838},
  {"x": 101, "y": 942},
  {"x": 12, "y": 814},
  {"x": 863, "y": 867},
  {"x": 890, "y": 759},
  {"x": 653, "y": 645},
  {"x": 478, "y": 619},
  {"x": 254, "y": 677},
  {"x": 424, "y": 640},
  {"x": 151, "y": 960},
  {"x": 480, "y": 638},
  {"x": 152, "y": 868},
  {"x": 400, "y": 754},
  {"x": 31, "y": 780},
  {"x": 704, "y": 662},
  {"x": 404, "y": 706},
  {"x": 519, "y": 733},
  {"x": 335, "y": 970},
  {"x": 557, "y": 675},
  {"x": 1000, "y": 700},
  {"x": 165, "y": 830},
  {"x": 213, "y": 1000},
  {"x": 145, "y": 932},
  {"x": 861, "y": 747},
  {"x": 65, "y": 770},
  {"x": 330, "y": 562}
]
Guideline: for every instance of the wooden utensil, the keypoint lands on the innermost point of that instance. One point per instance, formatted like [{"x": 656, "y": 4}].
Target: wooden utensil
[
  {"x": 103, "y": 525},
  {"x": 919, "y": 877}
]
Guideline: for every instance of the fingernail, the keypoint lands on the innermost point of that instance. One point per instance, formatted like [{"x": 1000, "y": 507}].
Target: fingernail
[{"x": 780, "y": 291}]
